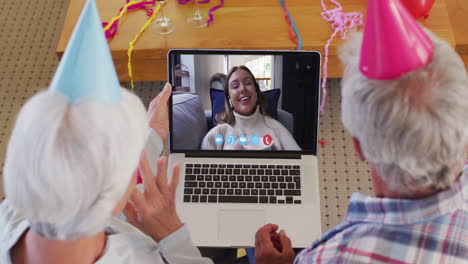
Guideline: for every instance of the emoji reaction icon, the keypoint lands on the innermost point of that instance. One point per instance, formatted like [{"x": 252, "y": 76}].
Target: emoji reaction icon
[
  {"x": 243, "y": 140},
  {"x": 267, "y": 140},
  {"x": 219, "y": 139},
  {"x": 230, "y": 139},
  {"x": 254, "y": 140}
]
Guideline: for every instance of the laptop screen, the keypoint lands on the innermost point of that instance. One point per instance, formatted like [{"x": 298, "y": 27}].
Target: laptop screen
[{"x": 237, "y": 101}]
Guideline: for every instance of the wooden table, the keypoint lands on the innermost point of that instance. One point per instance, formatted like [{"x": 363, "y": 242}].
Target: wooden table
[
  {"x": 241, "y": 24},
  {"x": 458, "y": 10}
]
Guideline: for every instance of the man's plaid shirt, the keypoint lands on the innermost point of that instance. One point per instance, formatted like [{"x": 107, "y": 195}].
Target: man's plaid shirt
[{"x": 382, "y": 230}]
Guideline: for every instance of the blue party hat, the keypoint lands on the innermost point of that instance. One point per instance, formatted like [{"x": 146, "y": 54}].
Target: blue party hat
[{"x": 86, "y": 71}]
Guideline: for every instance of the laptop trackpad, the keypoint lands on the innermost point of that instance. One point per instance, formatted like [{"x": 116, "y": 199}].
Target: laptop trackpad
[{"x": 236, "y": 225}]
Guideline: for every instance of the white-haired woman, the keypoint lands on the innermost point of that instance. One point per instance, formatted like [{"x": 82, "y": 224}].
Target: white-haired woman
[{"x": 70, "y": 169}]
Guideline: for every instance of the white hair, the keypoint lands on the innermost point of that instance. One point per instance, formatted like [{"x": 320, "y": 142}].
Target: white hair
[
  {"x": 68, "y": 165},
  {"x": 413, "y": 130}
]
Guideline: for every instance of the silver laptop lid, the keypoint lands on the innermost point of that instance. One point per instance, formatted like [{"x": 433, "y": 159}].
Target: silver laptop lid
[{"x": 268, "y": 108}]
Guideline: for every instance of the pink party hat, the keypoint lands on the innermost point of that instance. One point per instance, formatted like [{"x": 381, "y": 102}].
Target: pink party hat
[{"x": 394, "y": 43}]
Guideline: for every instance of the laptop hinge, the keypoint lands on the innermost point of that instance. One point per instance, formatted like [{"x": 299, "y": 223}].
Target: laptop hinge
[{"x": 244, "y": 155}]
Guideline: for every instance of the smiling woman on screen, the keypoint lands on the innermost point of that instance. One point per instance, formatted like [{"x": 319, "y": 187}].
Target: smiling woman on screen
[{"x": 244, "y": 124}]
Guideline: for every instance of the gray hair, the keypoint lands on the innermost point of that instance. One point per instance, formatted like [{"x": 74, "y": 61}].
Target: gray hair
[
  {"x": 68, "y": 165},
  {"x": 413, "y": 129}
]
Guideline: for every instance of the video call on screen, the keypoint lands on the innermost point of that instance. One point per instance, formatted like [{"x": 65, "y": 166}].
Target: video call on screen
[{"x": 212, "y": 112}]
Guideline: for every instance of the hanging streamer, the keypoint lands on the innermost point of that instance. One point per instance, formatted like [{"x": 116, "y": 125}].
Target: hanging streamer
[
  {"x": 341, "y": 23},
  {"x": 110, "y": 29},
  {"x": 137, "y": 37},
  {"x": 292, "y": 31}
]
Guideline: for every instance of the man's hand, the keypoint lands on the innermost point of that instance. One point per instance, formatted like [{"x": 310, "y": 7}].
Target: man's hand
[
  {"x": 154, "y": 210},
  {"x": 271, "y": 247},
  {"x": 158, "y": 112}
]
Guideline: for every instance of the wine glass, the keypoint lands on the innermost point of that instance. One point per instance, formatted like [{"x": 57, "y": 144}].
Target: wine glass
[
  {"x": 163, "y": 25},
  {"x": 197, "y": 20}
]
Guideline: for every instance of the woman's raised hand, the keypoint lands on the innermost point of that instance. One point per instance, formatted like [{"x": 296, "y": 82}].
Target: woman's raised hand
[{"x": 153, "y": 211}]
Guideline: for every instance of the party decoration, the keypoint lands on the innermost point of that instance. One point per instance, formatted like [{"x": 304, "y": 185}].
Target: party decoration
[
  {"x": 210, "y": 12},
  {"x": 292, "y": 31},
  {"x": 139, "y": 178},
  {"x": 131, "y": 45},
  {"x": 418, "y": 8},
  {"x": 183, "y": 2},
  {"x": 113, "y": 21},
  {"x": 86, "y": 71},
  {"x": 341, "y": 23},
  {"x": 323, "y": 143},
  {"x": 111, "y": 28},
  {"x": 394, "y": 44}
]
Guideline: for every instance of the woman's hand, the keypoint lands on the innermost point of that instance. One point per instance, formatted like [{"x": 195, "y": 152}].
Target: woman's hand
[
  {"x": 158, "y": 112},
  {"x": 154, "y": 210}
]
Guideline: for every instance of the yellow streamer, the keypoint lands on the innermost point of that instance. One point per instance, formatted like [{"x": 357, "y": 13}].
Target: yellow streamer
[
  {"x": 122, "y": 12},
  {"x": 132, "y": 43},
  {"x": 241, "y": 252}
]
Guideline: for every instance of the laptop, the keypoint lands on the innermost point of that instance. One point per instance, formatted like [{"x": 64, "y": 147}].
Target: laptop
[{"x": 247, "y": 159}]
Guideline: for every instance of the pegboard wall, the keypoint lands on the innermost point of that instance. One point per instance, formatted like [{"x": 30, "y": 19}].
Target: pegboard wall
[
  {"x": 341, "y": 172},
  {"x": 29, "y": 33}
]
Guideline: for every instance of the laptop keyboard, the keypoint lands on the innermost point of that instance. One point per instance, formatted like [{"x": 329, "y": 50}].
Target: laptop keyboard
[{"x": 229, "y": 183}]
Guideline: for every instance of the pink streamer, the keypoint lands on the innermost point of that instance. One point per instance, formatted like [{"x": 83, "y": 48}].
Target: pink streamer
[
  {"x": 210, "y": 12},
  {"x": 341, "y": 23},
  {"x": 110, "y": 33},
  {"x": 139, "y": 178},
  {"x": 323, "y": 143},
  {"x": 183, "y": 2}
]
